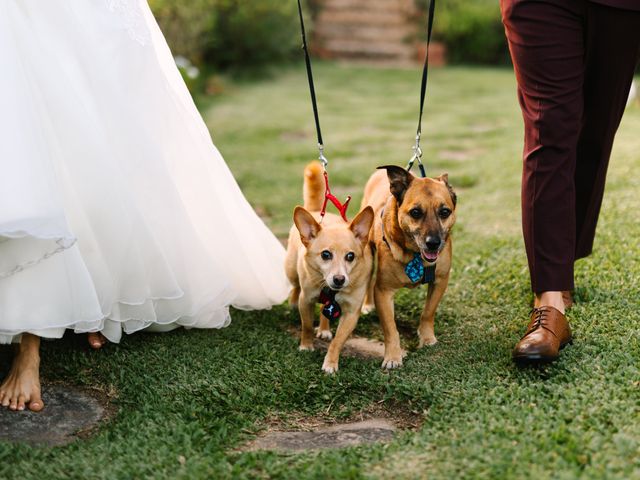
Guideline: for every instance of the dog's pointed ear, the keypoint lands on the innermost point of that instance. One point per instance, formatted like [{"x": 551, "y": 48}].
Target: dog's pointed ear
[
  {"x": 444, "y": 178},
  {"x": 361, "y": 225},
  {"x": 306, "y": 225},
  {"x": 399, "y": 180}
]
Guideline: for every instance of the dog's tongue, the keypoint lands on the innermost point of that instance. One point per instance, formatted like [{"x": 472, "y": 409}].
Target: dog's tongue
[{"x": 429, "y": 256}]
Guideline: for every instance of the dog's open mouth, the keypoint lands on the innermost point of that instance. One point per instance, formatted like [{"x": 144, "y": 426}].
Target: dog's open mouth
[{"x": 429, "y": 256}]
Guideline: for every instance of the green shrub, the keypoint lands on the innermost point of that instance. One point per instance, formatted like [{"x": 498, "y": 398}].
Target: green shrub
[
  {"x": 471, "y": 29},
  {"x": 229, "y": 33},
  {"x": 254, "y": 32},
  {"x": 187, "y": 26}
]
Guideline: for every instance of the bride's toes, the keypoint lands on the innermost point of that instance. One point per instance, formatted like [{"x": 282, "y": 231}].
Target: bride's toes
[
  {"x": 36, "y": 404},
  {"x": 96, "y": 340},
  {"x": 21, "y": 388},
  {"x": 5, "y": 397},
  {"x": 21, "y": 402},
  {"x": 21, "y": 391}
]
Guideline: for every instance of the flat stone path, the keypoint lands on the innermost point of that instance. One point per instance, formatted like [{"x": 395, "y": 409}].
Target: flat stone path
[
  {"x": 361, "y": 347},
  {"x": 338, "y": 436},
  {"x": 67, "y": 411}
]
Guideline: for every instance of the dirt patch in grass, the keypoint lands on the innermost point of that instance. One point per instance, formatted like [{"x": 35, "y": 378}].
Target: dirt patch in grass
[
  {"x": 399, "y": 415},
  {"x": 356, "y": 346},
  {"x": 295, "y": 135},
  {"x": 292, "y": 432}
]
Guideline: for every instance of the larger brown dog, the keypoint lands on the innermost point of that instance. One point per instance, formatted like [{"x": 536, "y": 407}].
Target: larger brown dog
[{"x": 412, "y": 226}]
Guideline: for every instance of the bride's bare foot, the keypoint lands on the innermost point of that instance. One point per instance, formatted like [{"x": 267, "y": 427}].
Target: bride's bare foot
[
  {"x": 96, "y": 340},
  {"x": 21, "y": 388}
]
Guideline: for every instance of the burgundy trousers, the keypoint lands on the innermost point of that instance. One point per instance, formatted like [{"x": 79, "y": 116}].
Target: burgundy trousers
[{"x": 574, "y": 62}]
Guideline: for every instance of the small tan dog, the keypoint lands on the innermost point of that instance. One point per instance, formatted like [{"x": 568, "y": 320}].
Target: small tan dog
[
  {"x": 330, "y": 264},
  {"x": 413, "y": 245}
]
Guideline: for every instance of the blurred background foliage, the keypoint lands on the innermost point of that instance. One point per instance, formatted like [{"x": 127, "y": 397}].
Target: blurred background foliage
[
  {"x": 236, "y": 34},
  {"x": 471, "y": 30},
  {"x": 229, "y": 33}
]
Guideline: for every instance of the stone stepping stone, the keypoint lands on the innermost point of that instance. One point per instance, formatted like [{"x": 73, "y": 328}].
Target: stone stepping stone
[
  {"x": 338, "y": 436},
  {"x": 357, "y": 347},
  {"x": 68, "y": 411}
]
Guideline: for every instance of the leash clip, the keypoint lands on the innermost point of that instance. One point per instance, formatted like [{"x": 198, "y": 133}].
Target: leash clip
[
  {"x": 321, "y": 156},
  {"x": 417, "y": 155}
]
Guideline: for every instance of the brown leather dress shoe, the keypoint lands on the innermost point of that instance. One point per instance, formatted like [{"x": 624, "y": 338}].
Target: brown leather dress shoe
[{"x": 547, "y": 333}]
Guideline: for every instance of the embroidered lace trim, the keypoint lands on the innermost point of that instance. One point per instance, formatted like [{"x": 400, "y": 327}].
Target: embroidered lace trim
[
  {"x": 133, "y": 19},
  {"x": 63, "y": 244}
]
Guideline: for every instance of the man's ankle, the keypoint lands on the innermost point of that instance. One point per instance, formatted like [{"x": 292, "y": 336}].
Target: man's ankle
[{"x": 551, "y": 299}]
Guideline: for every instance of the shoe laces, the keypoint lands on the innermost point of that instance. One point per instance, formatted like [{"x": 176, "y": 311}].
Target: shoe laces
[{"x": 539, "y": 320}]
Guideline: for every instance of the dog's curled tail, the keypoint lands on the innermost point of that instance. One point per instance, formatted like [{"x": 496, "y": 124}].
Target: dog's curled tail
[{"x": 313, "y": 190}]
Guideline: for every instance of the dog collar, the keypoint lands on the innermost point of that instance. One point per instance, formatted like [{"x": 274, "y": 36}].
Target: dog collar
[
  {"x": 416, "y": 271},
  {"x": 331, "y": 309}
]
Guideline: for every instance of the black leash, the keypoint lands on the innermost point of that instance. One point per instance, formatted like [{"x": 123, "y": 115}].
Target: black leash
[
  {"x": 417, "y": 151},
  {"x": 328, "y": 196},
  {"x": 312, "y": 88}
]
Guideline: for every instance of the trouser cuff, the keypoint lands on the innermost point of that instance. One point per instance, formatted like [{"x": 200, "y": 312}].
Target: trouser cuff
[{"x": 552, "y": 277}]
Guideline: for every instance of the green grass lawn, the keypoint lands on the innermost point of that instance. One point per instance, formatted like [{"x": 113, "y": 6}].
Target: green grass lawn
[{"x": 184, "y": 401}]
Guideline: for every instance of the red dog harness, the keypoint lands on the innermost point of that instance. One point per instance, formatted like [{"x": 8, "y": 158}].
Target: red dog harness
[{"x": 328, "y": 196}]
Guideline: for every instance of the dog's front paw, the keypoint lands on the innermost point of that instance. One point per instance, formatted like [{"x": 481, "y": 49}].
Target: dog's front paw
[
  {"x": 306, "y": 347},
  {"x": 368, "y": 308},
  {"x": 329, "y": 367},
  {"x": 324, "y": 335},
  {"x": 427, "y": 340},
  {"x": 389, "y": 363}
]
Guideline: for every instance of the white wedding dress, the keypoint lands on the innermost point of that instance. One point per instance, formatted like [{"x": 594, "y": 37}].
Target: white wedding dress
[{"x": 117, "y": 213}]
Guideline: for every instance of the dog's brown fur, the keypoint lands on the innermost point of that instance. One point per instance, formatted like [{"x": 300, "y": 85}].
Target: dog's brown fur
[
  {"x": 404, "y": 236},
  {"x": 308, "y": 272}
]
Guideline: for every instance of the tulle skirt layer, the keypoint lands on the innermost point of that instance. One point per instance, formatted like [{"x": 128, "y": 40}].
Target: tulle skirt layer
[{"x": 117, "y": 212}]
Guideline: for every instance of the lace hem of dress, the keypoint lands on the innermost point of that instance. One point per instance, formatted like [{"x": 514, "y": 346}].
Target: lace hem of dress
[
  {"x": 63, "y": 244},
  {"x": 133, "y": 19}
]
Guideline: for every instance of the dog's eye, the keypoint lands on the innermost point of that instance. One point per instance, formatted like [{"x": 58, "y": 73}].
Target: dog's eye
[
  {"x": 350, "y": 257},
  {"x": 416, "y": 213},
  {"x": 326, "y": 255},
  {"x": 444, "y": 213}
]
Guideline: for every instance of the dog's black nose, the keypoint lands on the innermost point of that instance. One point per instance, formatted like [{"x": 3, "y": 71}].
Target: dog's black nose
[
  {"x": 432, "y": 243},
  {"x": 339, "y": 280}
]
